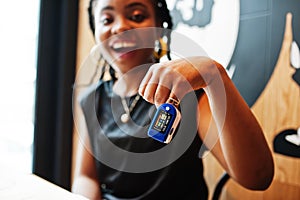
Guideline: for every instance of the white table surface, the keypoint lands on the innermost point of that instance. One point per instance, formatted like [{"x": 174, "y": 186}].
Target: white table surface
[{"x": 31, "y": 187}]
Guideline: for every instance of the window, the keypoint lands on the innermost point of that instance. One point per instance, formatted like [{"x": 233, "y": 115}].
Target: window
[{"x": 19, "y": 21}]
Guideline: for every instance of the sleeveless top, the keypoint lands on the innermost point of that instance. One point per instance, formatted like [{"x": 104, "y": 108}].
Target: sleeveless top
[{"x": 131, "y": 165}]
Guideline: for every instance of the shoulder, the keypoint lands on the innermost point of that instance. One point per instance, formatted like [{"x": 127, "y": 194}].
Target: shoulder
[{"x": 86, "y": 96}]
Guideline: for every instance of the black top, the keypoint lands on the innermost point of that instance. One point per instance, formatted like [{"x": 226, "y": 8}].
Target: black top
[{"x": 131, "y": 165}]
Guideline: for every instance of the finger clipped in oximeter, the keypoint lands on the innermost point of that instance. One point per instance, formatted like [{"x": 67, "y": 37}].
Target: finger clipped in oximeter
[{"x": 164, "y": 123}]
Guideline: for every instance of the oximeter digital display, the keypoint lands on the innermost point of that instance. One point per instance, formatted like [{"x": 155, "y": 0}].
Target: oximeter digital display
[{"x": 164, "y": 123}]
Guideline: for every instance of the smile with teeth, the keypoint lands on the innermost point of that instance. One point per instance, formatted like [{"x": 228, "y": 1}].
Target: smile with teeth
[{"x": 123, "y": 45}]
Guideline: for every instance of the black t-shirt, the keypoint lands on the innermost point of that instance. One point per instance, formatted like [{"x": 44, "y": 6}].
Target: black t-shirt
[{"x": 130, "y": 164}]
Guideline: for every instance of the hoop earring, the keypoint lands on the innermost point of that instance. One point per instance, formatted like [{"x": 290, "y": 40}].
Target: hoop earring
[{"x": 160, "y": 49}]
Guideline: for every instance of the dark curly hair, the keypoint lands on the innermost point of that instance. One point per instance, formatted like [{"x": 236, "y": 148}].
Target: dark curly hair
[{"x": 161, "y": 10}]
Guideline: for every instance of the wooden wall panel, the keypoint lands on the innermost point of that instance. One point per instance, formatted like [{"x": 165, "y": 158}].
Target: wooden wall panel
[
  {"x": 277, "y": 109},
  {"x": 84, "y": 44}
]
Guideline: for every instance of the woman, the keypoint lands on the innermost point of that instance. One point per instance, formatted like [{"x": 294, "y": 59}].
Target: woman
[{"x": 210, "y": 104}]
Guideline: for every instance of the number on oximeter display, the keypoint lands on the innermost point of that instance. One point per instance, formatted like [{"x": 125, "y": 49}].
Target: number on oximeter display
[{"x": 164, "y": 123}]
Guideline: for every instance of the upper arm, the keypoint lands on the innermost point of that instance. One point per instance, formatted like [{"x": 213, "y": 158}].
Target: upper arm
[
  {"x": 85, "y": 160},
  {"x": 86, "y": 180}
]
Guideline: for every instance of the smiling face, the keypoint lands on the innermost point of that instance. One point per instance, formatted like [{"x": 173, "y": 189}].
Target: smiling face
[{"x": 118, "y": 26}]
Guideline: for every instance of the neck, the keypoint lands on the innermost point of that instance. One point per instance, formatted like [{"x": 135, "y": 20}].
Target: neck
[{"x": 129, "y": 82}]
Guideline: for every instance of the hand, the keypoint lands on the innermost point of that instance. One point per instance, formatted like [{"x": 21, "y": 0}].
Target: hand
[{"x": 177, "y": 78}]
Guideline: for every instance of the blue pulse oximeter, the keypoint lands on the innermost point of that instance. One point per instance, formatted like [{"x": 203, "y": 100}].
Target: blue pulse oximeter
[{"x": 164, "y": 123}]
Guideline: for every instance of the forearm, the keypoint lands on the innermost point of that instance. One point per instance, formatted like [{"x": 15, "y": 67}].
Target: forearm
[
  {"x": 87, "y": 187},
  {"x": 244, "y": 147}
]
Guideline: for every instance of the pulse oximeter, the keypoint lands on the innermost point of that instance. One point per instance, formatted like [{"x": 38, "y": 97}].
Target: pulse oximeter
[{"x": 164, "y": 123}]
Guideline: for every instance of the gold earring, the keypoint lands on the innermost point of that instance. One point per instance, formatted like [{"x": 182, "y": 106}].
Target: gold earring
[{"x": 160, "y": 49}]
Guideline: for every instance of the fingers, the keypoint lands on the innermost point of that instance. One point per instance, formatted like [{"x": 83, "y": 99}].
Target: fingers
[
  {"x": 173, "y": 100},
  {"x": 155, "y": 90},
  {"x": 156, "y": 86},
  {"x": 143, "y": 85},
  {"x": 158, "y": 94},
  {"x": 162, "y": 84}
]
